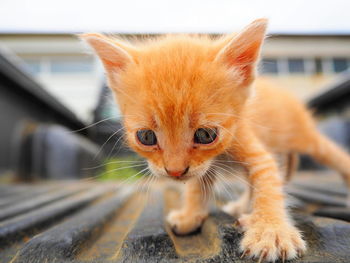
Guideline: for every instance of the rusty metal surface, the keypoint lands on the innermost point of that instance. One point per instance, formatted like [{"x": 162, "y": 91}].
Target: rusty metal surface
[{"x": 103, "y": 222}]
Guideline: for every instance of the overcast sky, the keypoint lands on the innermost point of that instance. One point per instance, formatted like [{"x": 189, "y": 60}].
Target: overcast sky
[{"x": 159, "y": 16}]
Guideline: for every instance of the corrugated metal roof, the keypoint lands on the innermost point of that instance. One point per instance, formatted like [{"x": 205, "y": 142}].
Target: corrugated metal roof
[
  {"x": 17, "y": 81},
  {"x": 333, "y": 96},
  {"x": 107, "y": 222}
]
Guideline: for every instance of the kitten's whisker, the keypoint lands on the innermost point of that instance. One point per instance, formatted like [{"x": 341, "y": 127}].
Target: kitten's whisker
[
  {"x": 123, "y": 144},
  {"x": 201, "y": 186},
  {"x": 114, "y": 145},
  {"x": 233, "y": 136},
  {"x": 146, "y": 184},
  {"x": 231, "y": 173},
  {"x": 113, "y": 162},
  {"x": 205, "y": 189},
  {"x": 140, "y": 181},
  {"x": 207, "y": 184},
  {"x": 113, "y": 134},
  {"x": 133, "y": 176},
  {"x": 142, "y": 184},
  {"x": 91, "y": 178},
  {"x": 93, "y": 124},
  {"x": 117, "y": 117},
  {"x": 150, "y": 185},
  {"x": 149, "y": 179},
  {"x": 122, "y": 168},
  {"x": 225, "y": 184},
  {"x": 212, "y": 189},
  {"x": 110, "y": 171},
  {"x": 229, "y": 161},
  {"x": 149, "y": 188}
]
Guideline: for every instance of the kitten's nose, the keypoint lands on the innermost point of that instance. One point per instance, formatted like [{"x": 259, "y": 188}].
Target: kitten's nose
[{"x": 177, "y": 173}]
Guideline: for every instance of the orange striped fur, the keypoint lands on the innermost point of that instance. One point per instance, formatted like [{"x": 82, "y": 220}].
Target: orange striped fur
[{"x": 174, "y": 85}]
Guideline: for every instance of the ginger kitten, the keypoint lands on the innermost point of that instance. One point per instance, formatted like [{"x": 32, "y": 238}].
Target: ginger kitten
[{"x": 187, "y": 100}]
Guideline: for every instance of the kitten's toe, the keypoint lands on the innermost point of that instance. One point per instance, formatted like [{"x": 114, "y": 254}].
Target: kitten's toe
[
  {"x": 185, "y": 222},
  {"x": 270, "y": 242}
]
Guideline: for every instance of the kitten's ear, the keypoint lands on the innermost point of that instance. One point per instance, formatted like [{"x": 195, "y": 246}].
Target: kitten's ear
[
  {"x": 243, "y": 51},
  {"x": 113, "y": 56}
]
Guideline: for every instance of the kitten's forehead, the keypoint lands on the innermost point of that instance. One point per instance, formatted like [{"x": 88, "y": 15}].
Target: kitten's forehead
[
  {"x": 176, "y": 59},
  {"x": 179, "y": 84},
  {"x": 169, "y": 118},
  {"x": 172, "y": 114},
  {"x": 174, "y": 109}
]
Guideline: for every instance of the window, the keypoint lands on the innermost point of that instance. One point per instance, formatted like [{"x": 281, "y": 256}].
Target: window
[
  {"x": 71, "y": 65},
  {"x": 340, "y": 64},
  {"x": 33, "y": 66},
  {"x": 296, "y": 65},
  {"x": 318, "y": 66},
  {"x": 269, "y": 66}
]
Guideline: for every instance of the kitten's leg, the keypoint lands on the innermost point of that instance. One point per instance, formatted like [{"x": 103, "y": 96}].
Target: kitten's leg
[
  {"x": 328, "y": 153},
  {"x": 269, "y": 231},
  {"x": 242, "y": 205},
  {"x": 195, "y": 208},
  {"x": 292, "y": 163},
  {"x": 238, "y": 207}
]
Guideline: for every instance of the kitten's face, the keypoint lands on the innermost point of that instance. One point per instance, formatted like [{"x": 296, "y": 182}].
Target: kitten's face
[
  {"x": 181, "y": 97},
  {"x": 179, "y": 114}
]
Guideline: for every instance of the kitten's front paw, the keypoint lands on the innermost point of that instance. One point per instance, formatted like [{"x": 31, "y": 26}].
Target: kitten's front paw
[
  {"x": 184, "y": 222},
  {"x": 269, "y": 242}
]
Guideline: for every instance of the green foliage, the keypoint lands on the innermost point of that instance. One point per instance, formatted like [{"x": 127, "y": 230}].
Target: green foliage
[{"x": 121, "y": 169}]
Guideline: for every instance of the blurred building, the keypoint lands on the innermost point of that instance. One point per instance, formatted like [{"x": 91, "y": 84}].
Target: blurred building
[
  {"x": 305, "y": 64},
  {"x": 61, "y": 64},
  {"x": 301, "y": 63},
  {"x": 40, "y": 137}
]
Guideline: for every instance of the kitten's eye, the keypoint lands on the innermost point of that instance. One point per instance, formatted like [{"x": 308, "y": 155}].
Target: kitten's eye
[
  {"x": 147, "y": 137},
  {"x": 205, "y": 135}
]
